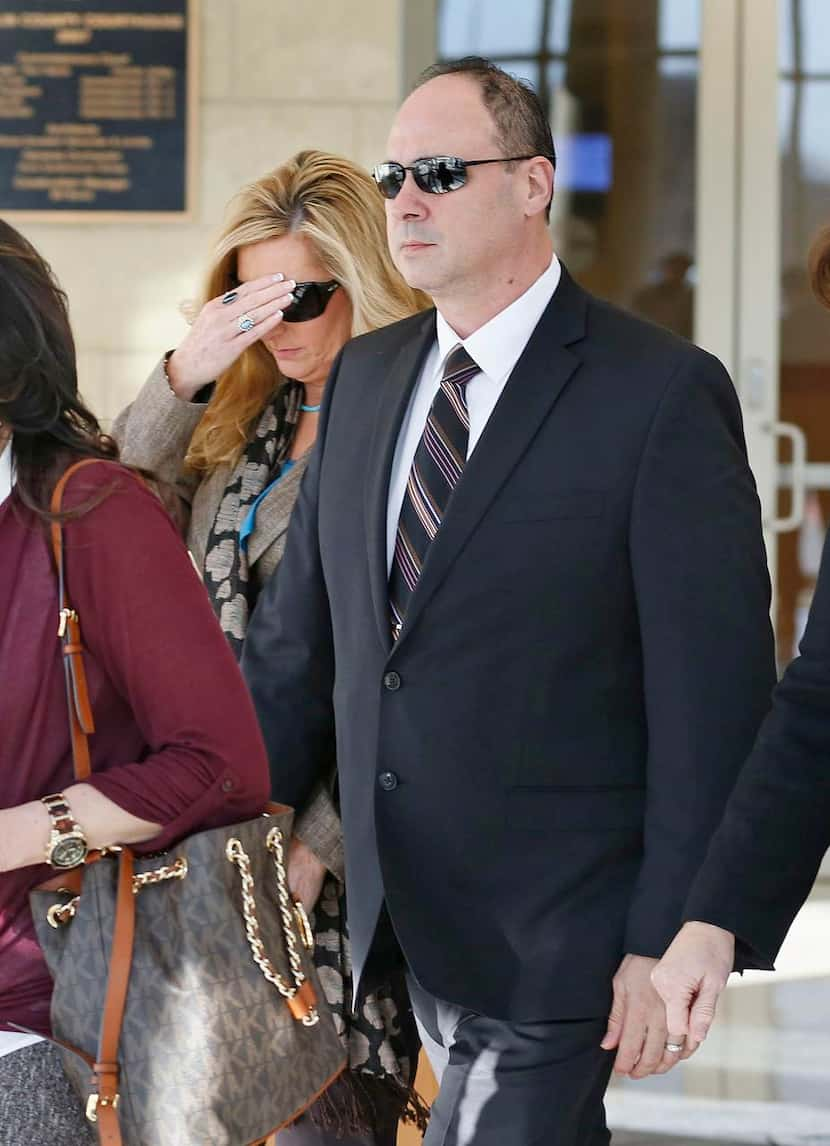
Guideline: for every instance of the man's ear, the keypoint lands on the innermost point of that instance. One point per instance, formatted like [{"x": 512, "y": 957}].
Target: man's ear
[{"x": 540, "y": 180}]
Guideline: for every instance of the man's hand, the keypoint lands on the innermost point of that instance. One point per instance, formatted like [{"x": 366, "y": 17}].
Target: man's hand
[
  {"x": 637, "y": 1026},
  {"x": 691, "y": 977},
  {"x": 305, "y": 874}
]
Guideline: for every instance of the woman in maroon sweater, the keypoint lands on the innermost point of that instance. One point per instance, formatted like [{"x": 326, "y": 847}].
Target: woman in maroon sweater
[{"x": 176, "y": 746}]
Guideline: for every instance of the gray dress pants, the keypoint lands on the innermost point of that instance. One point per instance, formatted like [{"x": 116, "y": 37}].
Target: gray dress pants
[
  {"x": 513, "y": 1084},
  {"x": 38, "y": 1106}
]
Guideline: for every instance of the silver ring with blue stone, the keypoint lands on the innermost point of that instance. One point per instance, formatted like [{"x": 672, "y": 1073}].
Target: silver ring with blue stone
[{"x": 245, "y": 323}]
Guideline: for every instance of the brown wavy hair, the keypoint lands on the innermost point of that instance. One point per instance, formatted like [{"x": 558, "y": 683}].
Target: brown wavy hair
[
  {"x": 819, "y": 264},
  {"x": 336, "y": 205}
]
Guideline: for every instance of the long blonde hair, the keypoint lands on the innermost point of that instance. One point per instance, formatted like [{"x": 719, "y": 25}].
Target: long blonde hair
[{"x": 337, "y": 206}]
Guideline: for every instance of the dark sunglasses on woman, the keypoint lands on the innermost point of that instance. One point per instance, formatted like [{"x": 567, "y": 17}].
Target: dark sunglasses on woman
[
  {"x": 310, "y": 299},
  {"x": 436, "y": 175}
]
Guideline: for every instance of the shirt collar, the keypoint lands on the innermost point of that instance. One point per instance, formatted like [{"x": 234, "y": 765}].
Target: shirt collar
[
  {"x": 6, "y": 476},
  {"x": 498, "y": 345}
]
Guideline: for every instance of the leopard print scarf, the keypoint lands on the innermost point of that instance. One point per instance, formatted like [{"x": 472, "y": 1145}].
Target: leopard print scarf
[{"x": 227, "y": 577}]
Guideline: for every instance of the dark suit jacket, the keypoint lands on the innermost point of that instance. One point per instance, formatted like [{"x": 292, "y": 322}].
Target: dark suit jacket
[
  {"x": 766, "y": 854},
  {"x": 531, "y": 775}
]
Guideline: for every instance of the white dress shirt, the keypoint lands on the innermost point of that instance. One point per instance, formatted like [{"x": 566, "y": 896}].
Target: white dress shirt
[
  {"x": 496, "y": 347},
  {"x": 6, "y": 479}
]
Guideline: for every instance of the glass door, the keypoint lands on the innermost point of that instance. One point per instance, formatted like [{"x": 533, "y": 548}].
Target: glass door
[
  {"x": 803, "y": 161},
  {"x": 783, "y": 333}
]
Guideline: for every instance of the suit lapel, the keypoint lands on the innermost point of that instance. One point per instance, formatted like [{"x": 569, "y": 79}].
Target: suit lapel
[
  {"x": 533, "y": 387},
  {"x": 396, "y": 390}
]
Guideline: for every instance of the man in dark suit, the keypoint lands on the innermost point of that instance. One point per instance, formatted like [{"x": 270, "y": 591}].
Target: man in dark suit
[
  {"x": 524, "y": 606},
  {"x": 767, "y": 852}
]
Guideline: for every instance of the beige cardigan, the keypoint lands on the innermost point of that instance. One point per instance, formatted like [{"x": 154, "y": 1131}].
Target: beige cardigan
[{"x": 154, "y": 432}]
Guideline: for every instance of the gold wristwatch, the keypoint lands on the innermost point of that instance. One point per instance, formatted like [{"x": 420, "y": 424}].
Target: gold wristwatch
[{"x": 67, "y": 846}]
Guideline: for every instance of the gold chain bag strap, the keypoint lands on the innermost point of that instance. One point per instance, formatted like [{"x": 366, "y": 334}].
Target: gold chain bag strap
[{"x": 186, "y": 1006}]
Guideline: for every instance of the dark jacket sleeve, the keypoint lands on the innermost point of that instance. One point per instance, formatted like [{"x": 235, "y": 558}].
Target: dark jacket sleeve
[
  {"x": 767, "y": 852},
  {"x": 703, "y": 598},
  {"x": 288, "y": 655},
  {"x": 146, "y": 619}
]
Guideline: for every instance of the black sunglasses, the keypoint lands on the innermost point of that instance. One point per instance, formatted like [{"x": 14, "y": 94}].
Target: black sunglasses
[
  {"x": 436, "y": 175},
  {"x": 310, "y": 300}
]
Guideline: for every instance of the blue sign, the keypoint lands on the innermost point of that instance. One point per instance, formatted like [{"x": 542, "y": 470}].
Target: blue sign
[{"x": 94, "y": 105}]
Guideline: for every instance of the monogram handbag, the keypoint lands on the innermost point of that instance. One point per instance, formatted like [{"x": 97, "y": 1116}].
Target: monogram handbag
[{"x": 186, "y": 1005}]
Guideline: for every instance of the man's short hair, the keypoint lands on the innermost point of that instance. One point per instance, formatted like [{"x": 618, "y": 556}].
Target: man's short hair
[{"x": 520, "y": 119}]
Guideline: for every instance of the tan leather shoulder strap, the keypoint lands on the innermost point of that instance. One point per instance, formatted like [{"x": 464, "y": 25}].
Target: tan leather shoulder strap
[
  {"x": 56, "y": 503},
  {"x": 121, "y": 959},
  {"x": 81, "y": 722}
]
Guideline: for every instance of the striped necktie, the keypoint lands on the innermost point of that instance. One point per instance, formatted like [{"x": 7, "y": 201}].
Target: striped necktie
[{"x": 438, "y": 463}]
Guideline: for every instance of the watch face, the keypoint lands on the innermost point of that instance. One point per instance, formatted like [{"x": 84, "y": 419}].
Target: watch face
[{"x": 68, "y": 852}]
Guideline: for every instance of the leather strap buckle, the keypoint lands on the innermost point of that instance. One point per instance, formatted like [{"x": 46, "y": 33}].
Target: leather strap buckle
[{"x": 95, "y": 1100}]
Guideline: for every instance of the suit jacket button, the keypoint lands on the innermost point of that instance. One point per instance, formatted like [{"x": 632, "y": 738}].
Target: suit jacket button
[
  {"x": 391, "y": 681},
  {"x": 388, "y": 781}
]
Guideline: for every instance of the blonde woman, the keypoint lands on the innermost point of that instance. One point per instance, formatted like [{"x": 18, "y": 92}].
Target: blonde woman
[{"x": 229, "y": 418}]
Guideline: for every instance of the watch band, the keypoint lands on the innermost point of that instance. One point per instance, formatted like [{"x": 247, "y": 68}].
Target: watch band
[
  {"x": 67, "y": 846},
  {"x": 59, "y": 813}
]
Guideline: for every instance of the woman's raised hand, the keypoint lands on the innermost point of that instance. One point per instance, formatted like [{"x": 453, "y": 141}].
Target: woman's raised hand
[{"x": 223, "y": 328}]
